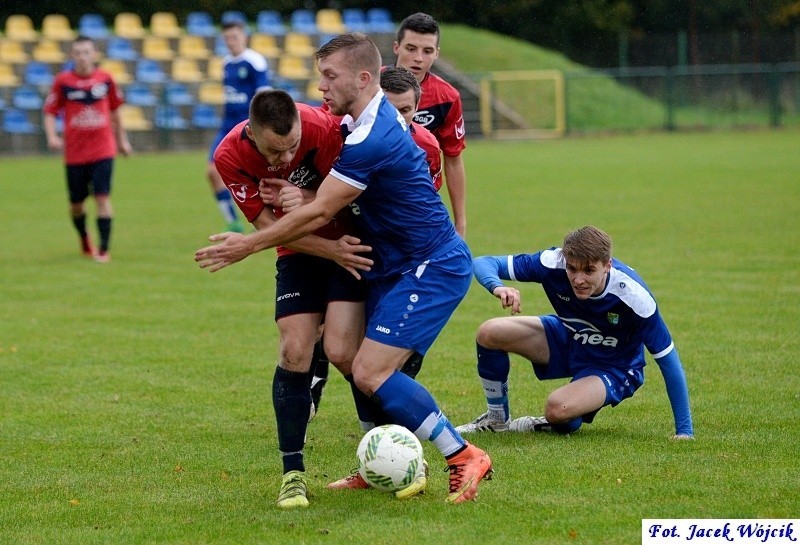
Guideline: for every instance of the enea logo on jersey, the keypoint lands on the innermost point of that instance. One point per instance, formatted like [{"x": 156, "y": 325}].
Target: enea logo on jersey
[
  {"x": 240, "y": 193},
  {"x": 586, "y": 333}
]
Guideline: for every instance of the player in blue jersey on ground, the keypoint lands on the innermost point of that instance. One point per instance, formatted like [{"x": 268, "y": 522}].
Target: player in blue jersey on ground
[
  {"x": 422, "y": 268},
  {"x": 244, "y": 73},
  {"x": 605, "y": 318}
]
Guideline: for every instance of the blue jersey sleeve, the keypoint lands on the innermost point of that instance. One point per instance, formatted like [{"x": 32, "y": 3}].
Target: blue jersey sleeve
[
  {"x": 489, "y": 270},
  {"x": 677, "y": 391}
]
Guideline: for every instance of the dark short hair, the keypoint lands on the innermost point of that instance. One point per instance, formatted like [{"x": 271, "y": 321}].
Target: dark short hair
[
  {"x": 82, "y": 38},
  {"x": 274, "y": 109},
  {"x": 421, "y": 23},
  {"x": 396, "y": 79},
  {"x": 233, "y": 24},
  {"x": 587, "y": 245},
  {"x": 362, "y": 53}
]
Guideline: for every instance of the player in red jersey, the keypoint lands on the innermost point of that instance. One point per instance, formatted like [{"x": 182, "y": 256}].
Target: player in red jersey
[
  {"x": 89, "y": 99},
  {"x": 440, "y": 109},
  {"x": 317, "y": 276}
]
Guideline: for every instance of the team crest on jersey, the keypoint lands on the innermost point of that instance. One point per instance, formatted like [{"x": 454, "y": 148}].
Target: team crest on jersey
[
  {"x": 242, "y": 72},
  {"x": 613, "y": 318},
  {"x": 239, "y": 192}
]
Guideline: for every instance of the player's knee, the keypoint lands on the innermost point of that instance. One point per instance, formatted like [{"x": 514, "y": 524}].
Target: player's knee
[
  {"x": 558, "y": 411},
  {"x": 294, "y": 356},
  {"x": 490, "y": 334},
  {"x": 340, "y": 353}
]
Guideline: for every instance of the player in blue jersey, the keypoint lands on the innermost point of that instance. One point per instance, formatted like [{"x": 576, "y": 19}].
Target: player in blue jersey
[
  {"x": 244, "y": 73},
  {"x": 605, "y": 318},
  {"x": 421, "y": 270}
]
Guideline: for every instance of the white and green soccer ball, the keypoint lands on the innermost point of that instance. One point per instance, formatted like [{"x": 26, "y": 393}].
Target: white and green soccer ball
[{"x": 390, "y": 458}]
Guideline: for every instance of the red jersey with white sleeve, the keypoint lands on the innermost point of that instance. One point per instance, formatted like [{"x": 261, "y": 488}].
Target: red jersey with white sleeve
[
  {"x": 427, "y": 141},
  {"x": 440, "y": 112},
  {"x": 242, "y": 166},
  {"x": 87, "y": 103}
]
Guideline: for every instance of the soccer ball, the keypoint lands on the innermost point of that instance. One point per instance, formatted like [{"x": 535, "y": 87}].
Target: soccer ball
[{"x": 390, "y": 458}]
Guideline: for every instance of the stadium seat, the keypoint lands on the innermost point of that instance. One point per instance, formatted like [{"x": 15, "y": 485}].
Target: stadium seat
[
  {"x": 8, "y": 77},
  {"x": 354, "y": 19},
  {"x": 313, "y": 94},
  {"x": 293, "y": 68},
  {"x": 165, "y": 24},
  {"x": 47, "y": 50},
  {"x": 211, "y": 93},
  {"x": 129, "y": 25},
  {"x": 205, "y": 116},
  {"x": 214, "y": 68},
  {"x": 287, "y": 85},
  {"x": 149, "y": 71},
  {"x": 233, "y": 16},
  {"x": 177, "y": 94},
  {"x": 133, "y": 118},
  {"x": 26, "y": 97},
  {"x": 118, "y": 70},
  {"x": 37, "y": 73},
  {"x": 12, "y": 52},
  {"x": 193, "y": 47},
  {"x": 168, "y": 117},
  {"x": 186, "y": 70},
  {"x": 270, "y": 22},
  {"x": 303, "y": 21},
  {"x": 57, "y": 27},
  {"x": 329, "y": 21},
  {"x": 93, "y": 25},
  {"x": 380, "y": 20},
  {"x": 140, "y": 94},
  {"x": 157, "y": 48},
  {"x": 298, "y": 45},
  {"x": 20, "y": 28},
  {"x": 265, "y": 44},
  {"x": 200, "y": 23},
  {"x": 121, "y": 49},
  {"x": 16, "y": 121}
]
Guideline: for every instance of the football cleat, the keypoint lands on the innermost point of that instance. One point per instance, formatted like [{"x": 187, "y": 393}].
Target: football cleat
[
  {"x": 293, "y": 491},
  {"x": 352, "y": 482},
  {"x": 102, "y": 256},
  {"x": 483, "y": 423},
  {"x": 86, "y": 247},
  {"x": 530, "y": 423},
  {"x": 417, "y": 487},
  {"x": 236, "y": 226},
  {"x": 467, "y": 469}
]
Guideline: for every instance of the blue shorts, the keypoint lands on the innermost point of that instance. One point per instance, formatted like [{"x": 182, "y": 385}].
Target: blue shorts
[
  {"x": 221, "y": 133},
  {"x": 409, "y": 310},
  {"x": 94, "y": 178},
  {"x": 620, "y": 382}
]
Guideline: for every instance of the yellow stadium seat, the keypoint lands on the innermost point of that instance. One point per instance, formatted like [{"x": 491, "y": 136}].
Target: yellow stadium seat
[
  {"x": 157, "y": 48},
  {"x": 118, "y": 71},
  {"x": 20, "y": 27},
  {"x": 56, "y": 27},
  {"x": 165, "y": 24},
  {"x": 312, "y": 92},
  {"x": 7, "y": 76},
  {"x": 329, "y": 21},
  {"x": 215, "y": 68},
  {"x": 186, "y": 70},
  {"x": 133, "y": 118},
  {"x": 211, "y": 93},
  {"x": 193, "y": 47},
  {"x": 266, "y": 45},
  {"x": 298, "y": 45},
  {"x": 48, "y": 51},
  {"x": 291, "y": 67},
  {"x": 12, "y": 51},
  {"x": 129, "y": 25}
]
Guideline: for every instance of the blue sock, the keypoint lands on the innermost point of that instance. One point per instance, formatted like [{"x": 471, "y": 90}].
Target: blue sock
[
  {"x": 292, "y": 401},
  {"x": 226, "y": 206},
  {"x": 493, "y": 369},
  {"x": 409, "y": 404}
]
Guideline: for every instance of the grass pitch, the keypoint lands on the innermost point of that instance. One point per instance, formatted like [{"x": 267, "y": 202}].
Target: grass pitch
[{"x": 135, "y": 396}]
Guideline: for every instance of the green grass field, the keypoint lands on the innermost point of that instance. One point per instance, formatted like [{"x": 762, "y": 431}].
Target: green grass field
[{"x": 136, "y": 400}]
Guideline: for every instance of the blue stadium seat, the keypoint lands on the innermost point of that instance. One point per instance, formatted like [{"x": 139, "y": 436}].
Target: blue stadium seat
[
  {"x": 204, "y": 116},
  {"x": 16, "y": 122},
  {"x": 304, "y": 21},
  {"x": 380, "y": 20},
  {"x": 93, "y": 25},
  {"x": 286, "y": 85},
  {"x": 355, "y": 20},
  {"x": 149, "y": 71},
  {"x": 168, "y": 117},
  {"x": 177, "y": 94},
  {"x": 220, "y": 49},
  {"x": 38, "y": 73},
  {"x": 26, "y": 97},
  {"x": 139, "y": 94},
  {"x": 270, "y": 22},
  {"x": 200, "y": 23},
  {"x": 121, "y": 49},
  {"x": 232, "y": 16}
]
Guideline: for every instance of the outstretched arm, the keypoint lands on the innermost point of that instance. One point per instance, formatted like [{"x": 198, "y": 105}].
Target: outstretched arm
[
  {"x": 678, "y": 393},
  {"x": 488, "y": 271}
]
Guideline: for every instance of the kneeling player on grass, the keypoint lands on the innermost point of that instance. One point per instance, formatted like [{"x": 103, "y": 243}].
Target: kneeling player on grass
[{"x": 605, "y": 317}]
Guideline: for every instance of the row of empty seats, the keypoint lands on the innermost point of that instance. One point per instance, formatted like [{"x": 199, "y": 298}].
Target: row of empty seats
[{"x": 165, "y": 24}]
